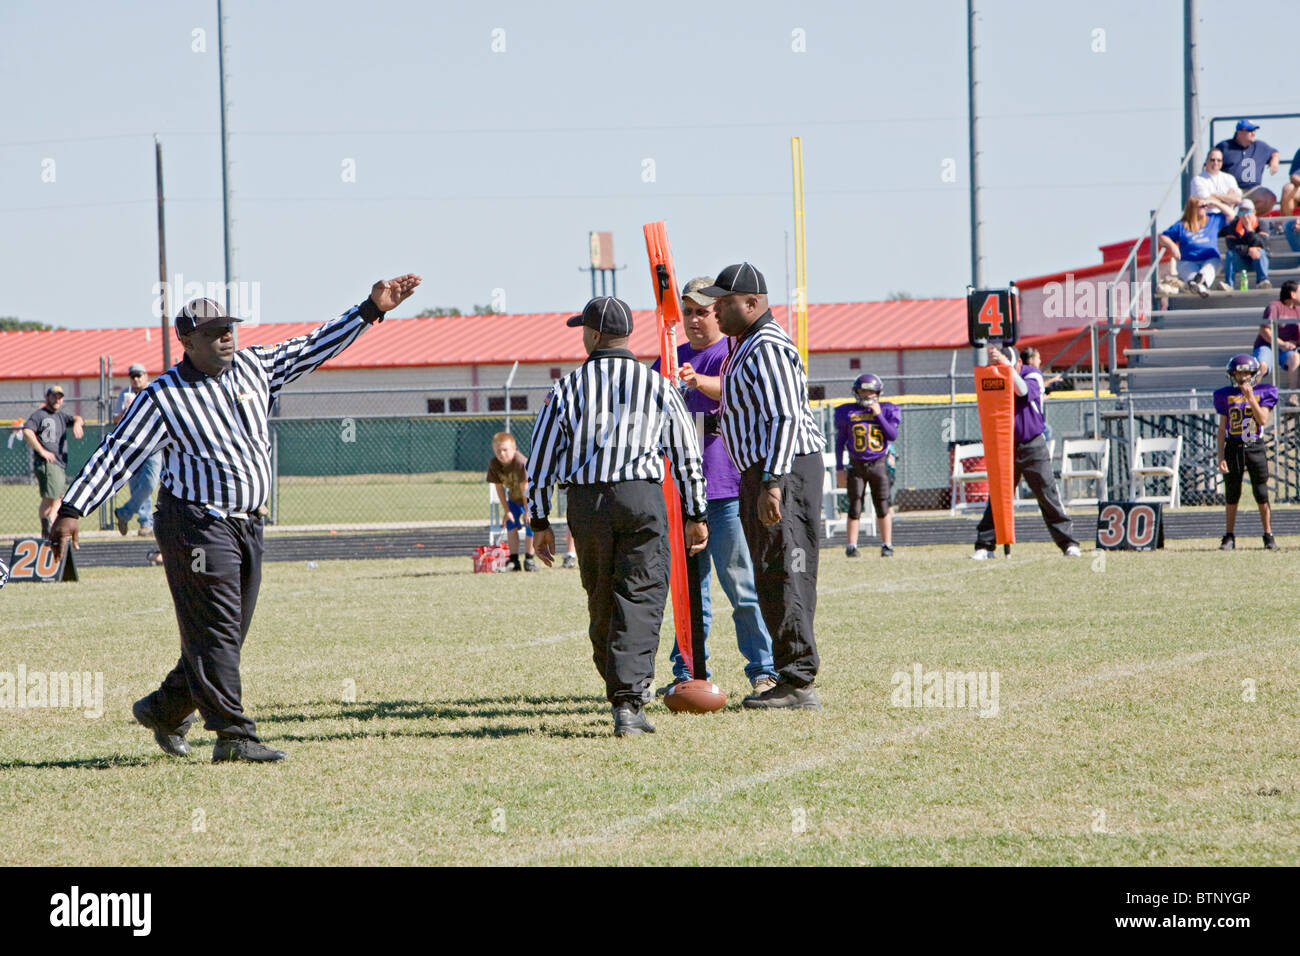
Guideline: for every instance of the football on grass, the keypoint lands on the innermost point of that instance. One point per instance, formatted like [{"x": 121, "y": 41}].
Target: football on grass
[{"x": 695, "y": 697}]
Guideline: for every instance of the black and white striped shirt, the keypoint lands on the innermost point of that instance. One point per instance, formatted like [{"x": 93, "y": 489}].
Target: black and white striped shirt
[
  {"x": 765, "y": 413},
  {"x": 212, "y": 430},
  {"x": 612, "y": 419}
]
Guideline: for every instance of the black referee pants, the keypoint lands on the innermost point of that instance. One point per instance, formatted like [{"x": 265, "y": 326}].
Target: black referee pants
[
  {"x": 785, "y": 563},
  {"x": 214, "y": 570},
  {"x": 1033, "y": 462},
  {"x": 620, "y": 531}
]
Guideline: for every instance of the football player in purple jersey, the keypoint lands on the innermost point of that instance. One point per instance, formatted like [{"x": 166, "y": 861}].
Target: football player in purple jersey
[
  {"x": 1245, "y": 410},
  {"x": 865, "y": 427}
]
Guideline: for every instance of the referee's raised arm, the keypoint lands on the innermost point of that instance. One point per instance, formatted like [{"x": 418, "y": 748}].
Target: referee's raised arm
[{"x": 294, "y": 358}]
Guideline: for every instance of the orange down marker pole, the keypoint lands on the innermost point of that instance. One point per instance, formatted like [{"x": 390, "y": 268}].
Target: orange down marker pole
[
  {"x": 668, "y": 306},
  {"x": 995, "y": 396}
]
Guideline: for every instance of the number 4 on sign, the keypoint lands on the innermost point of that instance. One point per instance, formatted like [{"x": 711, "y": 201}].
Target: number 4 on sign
[{"x": 991, "y": 316}]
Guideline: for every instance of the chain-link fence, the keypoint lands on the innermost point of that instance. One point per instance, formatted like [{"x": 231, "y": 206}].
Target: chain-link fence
[{"x": 352, "y": 457}]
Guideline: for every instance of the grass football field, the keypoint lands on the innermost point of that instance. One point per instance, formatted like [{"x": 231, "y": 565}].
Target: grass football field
[{"x": 1148, "y": 712}]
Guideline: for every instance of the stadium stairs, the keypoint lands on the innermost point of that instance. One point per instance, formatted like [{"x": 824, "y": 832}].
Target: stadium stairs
[{"x": 1190, "y": 339}]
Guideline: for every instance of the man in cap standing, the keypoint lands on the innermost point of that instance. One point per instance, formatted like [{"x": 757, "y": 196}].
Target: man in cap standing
[
  {"x": 145, "y": 479},
  {"x": 46, "y": 433},
  {"x": 700, "y": 360},
  {"x": 776, "y": 443},
  {"x": 602, "y": 433},
  {"x": 209, "y": 411}
]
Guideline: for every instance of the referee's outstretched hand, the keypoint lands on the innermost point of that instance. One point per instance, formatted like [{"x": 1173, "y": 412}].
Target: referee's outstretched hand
[
  {"x": 62, "y": 531},
  {"x": 388, "y": 294},
  {"x": 697, "y": 537}
]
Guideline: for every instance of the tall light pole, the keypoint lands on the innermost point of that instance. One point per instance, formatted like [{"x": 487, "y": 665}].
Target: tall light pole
[
  {"x": 162, "y": 254},
  {"x": 225, "y": 154},
  {"x": 1191, "y": 100},
  {"x": 976, "y": 251}
]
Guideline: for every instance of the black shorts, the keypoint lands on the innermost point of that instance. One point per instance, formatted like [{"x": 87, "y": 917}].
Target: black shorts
[
  {"x": 873, "y": 473},
  {"x": 1242, "y": 459}
]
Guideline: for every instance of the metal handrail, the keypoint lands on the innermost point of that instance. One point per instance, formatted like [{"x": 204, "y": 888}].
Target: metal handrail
[{"x": 1132, "y": 253}]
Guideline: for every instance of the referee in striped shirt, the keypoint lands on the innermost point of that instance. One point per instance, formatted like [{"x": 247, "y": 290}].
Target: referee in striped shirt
[
  {"x": 208, "y": 416},
  {"x": 603, "y": 432},
  {"x": 775, "y": 442}
]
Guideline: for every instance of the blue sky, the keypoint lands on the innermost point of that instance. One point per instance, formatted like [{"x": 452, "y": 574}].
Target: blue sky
[{"x": 485, "y": 169}]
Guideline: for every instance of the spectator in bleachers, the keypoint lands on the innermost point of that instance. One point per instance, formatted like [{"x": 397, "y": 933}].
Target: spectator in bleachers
[
  {"x": 1247, "y": 243},
  {"x": 1290, "y": 199},
  {"x": 1213, "y": 183},
  {"x": 1286, "y": 307},
  {"x": 1193, "y": 242},
  {"x": 1244, "y": 158}
]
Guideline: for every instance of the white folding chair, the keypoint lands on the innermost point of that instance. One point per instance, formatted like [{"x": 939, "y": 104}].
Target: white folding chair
[
  {"x": 962, "y": 475},
  {"x": 1144, "y": 467},
  {"x": 496, "y": 520},
  {"x": 1095, "y": 469},
  {"x": 832, "y": 516}
]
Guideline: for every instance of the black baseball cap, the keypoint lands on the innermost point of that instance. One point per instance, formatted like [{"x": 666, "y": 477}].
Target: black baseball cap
[
  {"x": 742, "y": 279},
  {"x": 605, "y": 314},
  {"x": 201, "y": 314}
]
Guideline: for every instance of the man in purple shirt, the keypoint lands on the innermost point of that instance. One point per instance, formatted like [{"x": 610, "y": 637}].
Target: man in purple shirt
[
  {"x": 1033, "y": 461},
  {"x": 700, "y": 360},
  {"x": 1287, "y": 307},
  {"x": 864, "y": 428}
]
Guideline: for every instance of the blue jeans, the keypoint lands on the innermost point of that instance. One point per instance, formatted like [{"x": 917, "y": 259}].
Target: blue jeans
[
  {"x": 730, "y": 554},
  {"x": 142, "y": 485},
  {"x": 1236, "y": 262},
  {"x": 1292, "y": 236}
]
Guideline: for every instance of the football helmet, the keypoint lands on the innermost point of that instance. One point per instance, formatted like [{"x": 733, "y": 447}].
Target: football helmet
[
  {"x": 1242, "y": 362},
  {"x": 871, "y": 383}
]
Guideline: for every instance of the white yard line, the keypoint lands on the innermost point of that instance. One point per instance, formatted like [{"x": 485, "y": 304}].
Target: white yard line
[
  {"x": 854, "y": 748},
  {"x": 519, "y": 645}
]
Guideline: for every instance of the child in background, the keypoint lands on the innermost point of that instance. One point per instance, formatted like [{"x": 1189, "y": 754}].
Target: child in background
[
  {"x": 1244, "y": 409},
  {"x": 865, "y": 428},
  {"x": 508, "y": 470}
]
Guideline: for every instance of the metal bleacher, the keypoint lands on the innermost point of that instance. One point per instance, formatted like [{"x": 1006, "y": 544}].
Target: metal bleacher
[{"x": 1189, "y": 338}]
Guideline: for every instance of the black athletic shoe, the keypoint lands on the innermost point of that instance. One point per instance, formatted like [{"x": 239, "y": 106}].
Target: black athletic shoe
[
  {"x": 170, "y": 739},
  {"x": 886, "y": 551},
  {"x": 851, "y": 551},
  {"x": 669, "y": 686},
  {"x": 241, "y": 748},
  {"x": 785, "y": 695},
  {"x": 1270, "y": 543},
  {"x": 1227, "y": 543},
  {"x": 630, "y": 721}
]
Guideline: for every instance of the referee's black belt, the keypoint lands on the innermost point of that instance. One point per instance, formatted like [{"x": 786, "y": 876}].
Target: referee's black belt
[
  {"x": 212, "y": 510},
  {"x": 611, "y": 485}
]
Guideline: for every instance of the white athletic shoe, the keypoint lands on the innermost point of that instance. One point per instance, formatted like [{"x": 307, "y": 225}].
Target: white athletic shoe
[
  {"x": 1073, "y": 551},
  {"x": 981, "y": 555}
]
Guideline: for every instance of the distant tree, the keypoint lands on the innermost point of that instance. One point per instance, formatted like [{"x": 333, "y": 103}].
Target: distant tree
[
  {"x": 10, "y": 324},
  {"x": 899, "y": 297},
  {"x": 437, "y": 313},
  {"x": 486, "y": 310}
]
